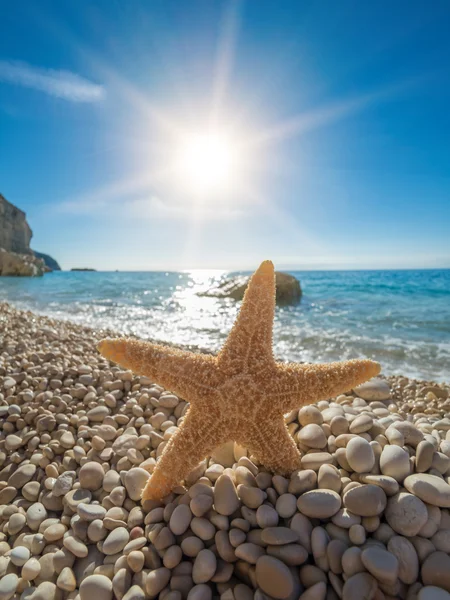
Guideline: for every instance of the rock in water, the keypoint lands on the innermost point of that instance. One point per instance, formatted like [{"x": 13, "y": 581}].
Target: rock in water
[{"x": 288, "y": 290}]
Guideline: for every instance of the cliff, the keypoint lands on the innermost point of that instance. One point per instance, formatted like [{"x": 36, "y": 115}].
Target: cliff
[
  {"x": 16, "y": 256},
  {"x": 15, "y": 233}
]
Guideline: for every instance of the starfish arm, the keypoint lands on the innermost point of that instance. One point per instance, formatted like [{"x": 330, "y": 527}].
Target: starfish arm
[
  {"x": 249, "y": 345},
  {"x": 197, "y": 437},
  {"x": 189, "y": 375},
  {"x": 272, "y": 445},
  {"x": 293, "y": 385}
]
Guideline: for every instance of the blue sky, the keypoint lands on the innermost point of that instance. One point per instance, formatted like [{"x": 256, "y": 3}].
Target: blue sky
[{"x": 337, "y": 114}]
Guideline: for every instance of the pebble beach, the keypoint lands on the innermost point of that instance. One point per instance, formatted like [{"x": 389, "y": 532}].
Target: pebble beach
[{"x": 367, "y": 515}]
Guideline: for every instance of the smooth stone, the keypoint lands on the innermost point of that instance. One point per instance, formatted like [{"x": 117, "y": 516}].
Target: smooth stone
[
  {"x": 90, "y": 512},
  {"x": 274, "y": 577},
  {"x": 91, "y": 476},
  {"x": 266, "y": 516},
  {"x": 135, "y": 593},
  {"x": 192, "y": 545},
  {"x": 111, "y": 480},
  {"x": 116, "y": 541},
  {"x": 302, "y": 526},
  {"x": 433, "y": 522},
  {"x": 23, "y": 475},
  {"x": 441, "y": 540},
  {"x": 277, "y": 536},
  {"x": 249, "y": 552},
  {"x": 411, "y": 434},
  {"x": 66, "y": 580},
  {"x": 318, "y": 591},
  {"x": 96, "y": 586},
  {"x": 76, "y": 546},
  {"x": 436, "y": 570},
  {"x": 203, "y": 528},
  {"x": 351, "y": 561},
  {"x": 309, "y": 414},
  {"x": 360, "y": 455},
  {"x": 13, "y": 442},
  {"x": 226, "y": 500},
  {"x": 406, "y": 555},
  {"x": 8, "y": 586},
  {"x": 156, "y": 581},
  {"x": 360, "y": 585},
  {"x": 97, "y": 414},
  {"x": 429, "y": 488},
  {"x": 381, "y": 564},
  {"x": 35, "y": 514},
  {"x": 303, "y": 481},
  {"x": 361, "y": 424},
  {"x": 204, "y": 567},
  {"x": 290, "y": 554},
  {"x": 124, "y": 443},
  {"x": 319, "y": 504},
  {"x": 252, "y": 497},
  {"x": 424, "y": 456},
  {"x": 345, "y": 519},
  {"x": 366, "y": 500},
  {"x": 201, "y": 504},
  {"x": 135, "y": 481},
  {"x": 315, "y": 460},
  {"x": 406, "y": 514},
  {"x": 200, "y": 591},
  {"x": 31, "y": 569},
  {"x": 394, "y": 462},
  {"x": 375, "y": 389},
  {"x": 7, "y": 495},
  {"x": 19, "y": 555},
  {"x": 329, "y": 478},
  {"x": 121, "y": 582},
  {"x": 46, "y": 590},
  {"x": 16, "y": 523},
  {"x": 388, "y": 484},
  {"x": 312, "y": 436},
  {"x": 286, "y": 505},
  {"x": 180, "y": 519}
]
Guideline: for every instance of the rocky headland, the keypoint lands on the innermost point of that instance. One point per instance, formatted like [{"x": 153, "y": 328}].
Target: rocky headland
[
  {"x": 16, "y": 256},
  {"x": 366, "y": 516}
]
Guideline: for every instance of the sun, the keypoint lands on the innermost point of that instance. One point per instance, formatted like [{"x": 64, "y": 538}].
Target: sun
[{"x": 207, "y": 162}]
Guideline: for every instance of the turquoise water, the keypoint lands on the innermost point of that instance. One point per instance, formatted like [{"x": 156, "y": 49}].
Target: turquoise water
[{"x": 400, "y": 318}]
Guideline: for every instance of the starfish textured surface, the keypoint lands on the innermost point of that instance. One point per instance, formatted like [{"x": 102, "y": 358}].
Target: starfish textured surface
[{"x": 240, "y": 395}]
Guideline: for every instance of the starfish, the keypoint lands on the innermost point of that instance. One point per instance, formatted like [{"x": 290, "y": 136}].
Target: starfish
[{"x": 239, "y": 395}]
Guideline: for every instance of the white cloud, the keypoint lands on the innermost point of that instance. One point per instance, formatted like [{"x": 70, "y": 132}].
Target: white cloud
[{"x": 59, "y": 83}]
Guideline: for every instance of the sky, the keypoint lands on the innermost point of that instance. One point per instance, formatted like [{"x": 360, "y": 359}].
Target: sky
[{"x": 331, "y": 120}]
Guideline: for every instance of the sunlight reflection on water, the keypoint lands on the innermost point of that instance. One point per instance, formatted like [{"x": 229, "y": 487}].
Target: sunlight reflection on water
[{"x": 401, "y": 319}]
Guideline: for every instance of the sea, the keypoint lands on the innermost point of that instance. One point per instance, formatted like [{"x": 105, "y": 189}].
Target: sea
[{"x": 399, "y": 318}]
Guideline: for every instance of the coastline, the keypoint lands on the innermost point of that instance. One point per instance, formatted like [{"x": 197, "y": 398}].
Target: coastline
[{"x": 77, "y": 433}]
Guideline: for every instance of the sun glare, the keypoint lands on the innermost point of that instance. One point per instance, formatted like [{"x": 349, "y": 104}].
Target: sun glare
[{"x": 207, "y": 162}]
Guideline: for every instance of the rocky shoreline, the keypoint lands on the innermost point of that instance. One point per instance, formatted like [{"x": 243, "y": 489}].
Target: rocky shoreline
[{"x": 367, "y": 516}]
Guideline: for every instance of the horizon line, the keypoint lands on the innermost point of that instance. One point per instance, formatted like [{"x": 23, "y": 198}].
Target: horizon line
[{"x": 189, "y": 270}]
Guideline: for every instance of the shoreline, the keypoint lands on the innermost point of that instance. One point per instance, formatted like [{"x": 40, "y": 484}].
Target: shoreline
[
  {"x": 108, "y": 332},
  {"x": 79, "y": 435}
]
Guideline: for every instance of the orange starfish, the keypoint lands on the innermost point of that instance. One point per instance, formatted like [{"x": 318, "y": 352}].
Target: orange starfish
[{"x": 241, "y": 394}]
